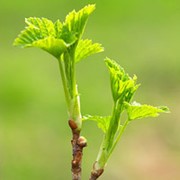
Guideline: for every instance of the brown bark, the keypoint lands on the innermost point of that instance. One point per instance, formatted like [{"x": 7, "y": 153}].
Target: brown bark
[{"x": 78, "y": 143}]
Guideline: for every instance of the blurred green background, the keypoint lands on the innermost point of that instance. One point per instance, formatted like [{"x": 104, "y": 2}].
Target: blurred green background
[{"x": 144, "y": 37}]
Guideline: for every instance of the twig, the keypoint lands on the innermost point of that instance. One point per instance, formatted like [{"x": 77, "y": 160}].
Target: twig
[{"x": 78, "y": 143}]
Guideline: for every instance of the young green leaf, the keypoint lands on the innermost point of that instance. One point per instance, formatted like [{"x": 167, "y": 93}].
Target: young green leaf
[
  {"x": 37, "y": 29},
  {"x": 122, "y": 85},
  {"x": 76, "y": 21},
  {"x": 86, "y": 48},
  {"x": 42, "y": 33},
  {"x": 138, "y": 111},
  {"x": 102, "y": 122},
  {"x": 54, "y": 46}
]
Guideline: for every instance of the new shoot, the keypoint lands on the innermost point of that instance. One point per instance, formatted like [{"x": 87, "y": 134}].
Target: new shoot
[{"x": 64, "y": 41}]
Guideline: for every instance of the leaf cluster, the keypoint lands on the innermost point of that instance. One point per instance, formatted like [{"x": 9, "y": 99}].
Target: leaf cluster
[
  {"x": 123, "y": 88},
  {"x": 64, "y": 41},
  {"x": 59, "y": 37}
]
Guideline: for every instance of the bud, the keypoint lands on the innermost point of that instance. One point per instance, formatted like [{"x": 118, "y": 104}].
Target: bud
[
  {"x": 82, "y": 142},
  {"x": 72, "y": 124}
]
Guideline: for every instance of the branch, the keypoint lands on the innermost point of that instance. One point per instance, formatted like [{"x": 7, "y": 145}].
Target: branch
[{"x": 78, "y": 143}]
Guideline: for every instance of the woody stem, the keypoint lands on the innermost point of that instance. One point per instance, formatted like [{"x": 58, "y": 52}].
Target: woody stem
[{"x": 78, "y": 143}]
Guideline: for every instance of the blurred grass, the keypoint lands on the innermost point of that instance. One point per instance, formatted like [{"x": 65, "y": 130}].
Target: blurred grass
[{"x": 34, "y": 137}]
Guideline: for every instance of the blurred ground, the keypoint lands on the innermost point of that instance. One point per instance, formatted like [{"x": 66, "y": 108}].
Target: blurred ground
[{"x": 34, "y": 137}]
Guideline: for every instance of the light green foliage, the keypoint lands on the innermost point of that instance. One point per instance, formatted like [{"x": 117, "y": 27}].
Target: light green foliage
[
  {"x": 42, "y": 33},
  {"x": 102, "y": 122},
  {"x": 86, "y": 48},
  {"x": 56, "y": 38},
  {"x": 122, "y": 85},
  {"x": 137, "y": 111},
  {"x": 123, "y": 88},
  {"x": 75, "y": 21},
  {"x": 63, "y": 41}
]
